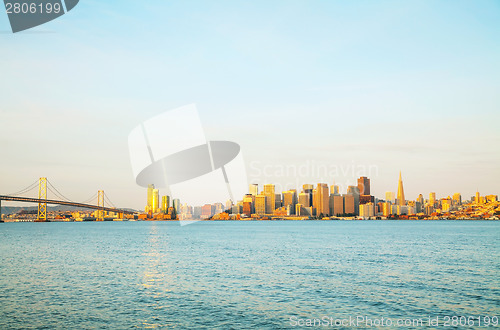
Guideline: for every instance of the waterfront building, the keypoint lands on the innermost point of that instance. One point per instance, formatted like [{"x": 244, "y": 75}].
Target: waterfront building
[
  {"x": 349, "y": 204},
  {"x": 165, "y": 204},
  {"x": 236, "y": 209},
  {"x": 248, "y": 205},
  {"x": 304, "y": 199},
  {"x": 172, "y": 213},
  {"x": 387, "y": 209},
  {"x": 177, "y": 205},
  {"x": 149, "y": 201},
  {"x": 367, "y": 210},
  {"x": 186, "y": 212},
  {"x": 446, "y": 204},
  {"x": 331, "y": 203},
  {"x": 218, "y": 208},
  {"x": 155, "y": 202},
  {"x": 322, "y": 200},
  {"x": 260, "y": 204},
  {"x": 401, "y": 209},
  {"x": 354, "y": 191},
  {"x": 207, "y": 211},
  {"x": 338, "y": 205},
  {"x": 289, "y": 200},
  {"x": 295, "y": 196},
  {"x": 197, "y": 212},
  {"x": 298, "y": 209},
  {"x": 277, "y": 201}
]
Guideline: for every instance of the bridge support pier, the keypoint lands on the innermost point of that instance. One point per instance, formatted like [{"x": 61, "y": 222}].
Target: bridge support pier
[
  {"x": 1, "y": 211},
  {"x": 42, "y": 194},
  {"x": 100, "y": 203}
]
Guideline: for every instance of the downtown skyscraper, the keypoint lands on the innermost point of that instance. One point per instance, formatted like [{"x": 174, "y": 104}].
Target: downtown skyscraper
[{"x": 401, "y": 193}]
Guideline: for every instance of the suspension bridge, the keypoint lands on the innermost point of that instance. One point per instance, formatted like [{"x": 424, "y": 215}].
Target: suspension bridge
[{"x": 43, "y": 185}]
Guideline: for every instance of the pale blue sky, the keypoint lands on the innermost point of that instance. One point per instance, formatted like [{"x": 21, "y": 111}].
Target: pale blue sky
[{"x": 395, "y": 85}]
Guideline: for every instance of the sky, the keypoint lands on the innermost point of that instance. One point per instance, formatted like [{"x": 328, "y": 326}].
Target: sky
[{"x": 312, "y": 91}]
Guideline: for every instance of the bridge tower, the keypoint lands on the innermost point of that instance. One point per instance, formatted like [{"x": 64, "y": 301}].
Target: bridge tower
[
  {"x": 42, "y": 194},
  {"x": 100, "y": 203}
]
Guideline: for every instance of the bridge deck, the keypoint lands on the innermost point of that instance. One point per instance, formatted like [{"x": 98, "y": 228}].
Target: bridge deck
[{"x": 52, "y": 201}]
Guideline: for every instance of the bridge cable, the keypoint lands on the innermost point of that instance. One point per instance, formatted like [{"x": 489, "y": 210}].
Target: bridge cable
[
  {"x": 109, "y": 201},
  {"x": 58, "y": 192},
  {"x": 25, "y": 190},
  {"x": 88, "y": 200}
]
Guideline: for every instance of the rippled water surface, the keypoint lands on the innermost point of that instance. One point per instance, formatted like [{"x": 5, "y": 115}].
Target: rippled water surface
[{"x": 243, "y": 274}]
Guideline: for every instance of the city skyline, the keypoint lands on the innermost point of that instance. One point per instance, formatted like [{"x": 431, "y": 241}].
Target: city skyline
[
  {"x": 320, "y": 201},
  {"x": 325, "y": 201},
  {"x": 155, "y": 200}
]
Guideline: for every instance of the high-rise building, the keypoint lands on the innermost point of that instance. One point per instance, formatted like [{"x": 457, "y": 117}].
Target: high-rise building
[
  {"x": 401, "y": 193},
  {"x": 354, "y": 191},
  {"x": 432, "y": 199},
  {"x": 338, "y": 205},
  {"x": 349, "y": 206},
  {"x": 304, "y": 199},
  {"x": 177, "y": 205},
  {"x": 149, "y": 202},
  {"x": 165, "y": 204},
  {"x": 420, "y": 199},
  {"x": 260, "y": 204},
  {"x": 367, "y": 210},
  {"x": 271, "y": 198},
  {"x": 218, "y": 208},
  {"x": 253, "y": 189},
  {"x": 334, "y": 190},
  {"x": 277, "y": 201},
  {"x": 364, "y": 185},
  {"x": 197, "y": 212},
  {"x": 308, "y": 189},
  {"x": 298, "y": 209},
  {"x": 289, "y": 200},
  {"x": 322, "y": 200},
  {"x": 207, "y": 211},
  {"x": 389, "y": 196},
  {"x": 155, "y": 201},
  {"x": 387, "y": 209},
  {"x": 446, "y": 204},
  {"x": 248, "y": 204},
  {"x": 457, "y": 199}
]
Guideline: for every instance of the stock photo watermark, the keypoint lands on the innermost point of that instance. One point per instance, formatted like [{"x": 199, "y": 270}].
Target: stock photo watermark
[
  {"x": 375, "y": 322},
  {"x": 26, "y": 14},
  {"x": 293, "y": 176}
]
